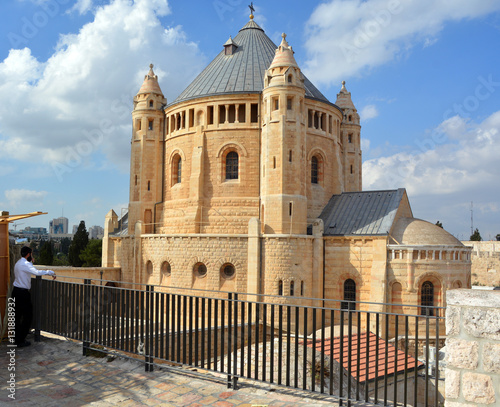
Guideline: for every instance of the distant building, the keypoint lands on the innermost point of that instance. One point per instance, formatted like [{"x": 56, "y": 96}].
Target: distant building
[
  {"x": 96, "y": 232},
  {"x": 58, "y": 226}
]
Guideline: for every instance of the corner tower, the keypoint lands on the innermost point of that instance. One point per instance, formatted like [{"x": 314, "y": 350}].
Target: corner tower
[
  {"x": 283, "y": 181},
  {"x": 350, "y": 138},
  {"x": 147, "y": 152}
]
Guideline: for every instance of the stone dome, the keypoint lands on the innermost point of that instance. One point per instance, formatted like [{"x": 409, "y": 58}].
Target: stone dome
[{"x": 412, "y": 231}]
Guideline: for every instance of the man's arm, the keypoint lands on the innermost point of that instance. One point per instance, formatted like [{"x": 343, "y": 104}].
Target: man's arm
[{"x": 28, "y": 267}]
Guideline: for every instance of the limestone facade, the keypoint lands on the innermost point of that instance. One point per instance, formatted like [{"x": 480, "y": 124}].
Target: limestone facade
[
  {"x": 485, "y": 270},
  {"x": 236, "y": 190},
  {"x": 473, "y": 348}
]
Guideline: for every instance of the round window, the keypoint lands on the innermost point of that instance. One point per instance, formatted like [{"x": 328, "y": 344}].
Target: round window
[
  {"x": 228, "y": 270},
  {"x": 200, "y": 269}
]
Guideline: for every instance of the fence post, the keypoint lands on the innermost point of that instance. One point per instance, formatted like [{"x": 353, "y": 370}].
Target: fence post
[
  {"x": 229, "y": 338},
  {"x": 86, "y": 316},
  {"x": 148, "y": 332},
  {"x": 38, "y": 307}
]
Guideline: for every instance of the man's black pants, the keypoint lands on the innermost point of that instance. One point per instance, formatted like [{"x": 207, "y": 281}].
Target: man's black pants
[{"x": 24, "y": 312}]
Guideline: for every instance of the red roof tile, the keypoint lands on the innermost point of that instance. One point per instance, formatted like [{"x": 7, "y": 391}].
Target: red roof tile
[{"x": 395, "y": 361}]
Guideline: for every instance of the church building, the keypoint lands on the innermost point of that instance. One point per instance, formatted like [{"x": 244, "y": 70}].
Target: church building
[{"x": 251, "y": 182}]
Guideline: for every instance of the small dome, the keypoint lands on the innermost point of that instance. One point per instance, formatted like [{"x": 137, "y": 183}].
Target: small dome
[
  {"x": 150, "y": 84},
  {"x": 412, "y": 231}
]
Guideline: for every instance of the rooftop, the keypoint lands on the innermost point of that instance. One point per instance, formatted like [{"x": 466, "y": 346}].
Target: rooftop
[
  {"x": 361, "y": 213},
  {"x": 243, "y": 70}
]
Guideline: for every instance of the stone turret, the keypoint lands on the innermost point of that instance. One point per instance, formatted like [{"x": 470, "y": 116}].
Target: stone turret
[
  {"x": 350, "y": 137},
  {"x": 147, "y": 152},
  {"x": 283, "y": 186}
]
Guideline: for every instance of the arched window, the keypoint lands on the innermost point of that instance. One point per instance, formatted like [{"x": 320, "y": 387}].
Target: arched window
[
  {"x": 314, "y": 170},
  {"x": 349, "y": 294},
  {"x": 280, "y": 287},
  {"x": 232, "y": 165},
  {"x": 292, "y": 288},
  {"x": 176, "y": 169},
  {"x": 427, "y": 298},
  {"x": 166, "y": 270},
  {"x": 149, "y": 267}
]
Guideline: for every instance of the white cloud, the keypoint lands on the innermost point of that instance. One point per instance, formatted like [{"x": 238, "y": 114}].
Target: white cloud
[
  {"x": 347, "y": 37},
  {"x": 82, "y": 6},
  {"x": 78, "y": 102},
  {"x": 444, "y": 173},
  {"x": 368, "y": 112},
  {"x": 18, "y": 196}
]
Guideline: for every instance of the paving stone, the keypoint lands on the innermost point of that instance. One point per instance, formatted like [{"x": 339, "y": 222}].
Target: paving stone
[{"x": 54, "y": 373}]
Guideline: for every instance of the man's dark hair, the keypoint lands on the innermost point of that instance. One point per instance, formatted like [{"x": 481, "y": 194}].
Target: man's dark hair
[{"x": 25, "y": 250}]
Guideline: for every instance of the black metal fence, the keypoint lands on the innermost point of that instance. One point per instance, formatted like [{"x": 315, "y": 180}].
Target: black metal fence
[{"x": 352, "y": 353}]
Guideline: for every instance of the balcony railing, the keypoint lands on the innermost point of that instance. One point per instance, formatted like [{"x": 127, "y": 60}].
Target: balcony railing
[{"x": 360, "y": 352}]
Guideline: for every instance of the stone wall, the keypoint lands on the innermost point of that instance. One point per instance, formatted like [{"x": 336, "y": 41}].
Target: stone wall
[
  {"x": 485, "y": 268},
  {"x": 78, "y": 274},
  {"x": 472, "y": 348}
]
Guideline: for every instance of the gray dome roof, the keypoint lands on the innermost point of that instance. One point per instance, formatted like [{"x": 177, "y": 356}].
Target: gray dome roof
[
  {"x": 243, "y": 71},
  {"x": 412, "y": 231}
]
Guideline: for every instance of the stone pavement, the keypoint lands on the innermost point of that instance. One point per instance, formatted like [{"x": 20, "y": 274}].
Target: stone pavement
[{"x": 53, "y": 372}]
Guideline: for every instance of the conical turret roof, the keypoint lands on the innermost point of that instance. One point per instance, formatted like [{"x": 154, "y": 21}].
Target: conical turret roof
[
  {"x": 243, "y": 71},
  {"x": 283, "y": 55},
  {"x": 150, "y": 84},
  {"x": 344, "y": 98}
]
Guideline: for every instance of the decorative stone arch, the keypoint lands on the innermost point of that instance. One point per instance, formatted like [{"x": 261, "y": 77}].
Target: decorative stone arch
[
  {"x": 456, "y": 284},
  {"x": 195, "y": 260},
  {"x": 232, "y": 146},
  {"x": 220, "y": 262},
  {"x": 174, "y": 153},
  {"x": 320, "y": 155}
]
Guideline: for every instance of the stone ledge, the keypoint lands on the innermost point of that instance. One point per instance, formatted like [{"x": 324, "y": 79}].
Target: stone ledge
[{"x": 474, "y": 298}]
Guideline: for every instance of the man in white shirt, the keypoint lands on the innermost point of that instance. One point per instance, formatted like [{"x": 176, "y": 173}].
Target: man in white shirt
[{"x": 21, "y": 293}]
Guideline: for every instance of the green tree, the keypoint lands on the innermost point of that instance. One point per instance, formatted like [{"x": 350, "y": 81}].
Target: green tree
[
  {"x": 92, "y": 254},
  {"x": 64, "y": 245},
  {"x": 46, "y": 256},
  {"x": 476, "y": 236},
  {"x": 60, "y": 259},
  {"x": 498, "y": 237},
  {"x": 79, "y": 243},
  {"x": 438, "y": 223}
]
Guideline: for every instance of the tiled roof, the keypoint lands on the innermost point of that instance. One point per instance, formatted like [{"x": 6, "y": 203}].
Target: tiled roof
[
  {"x": 361, "y": 213},
  {"x": 243, "y": 71},
  {"x": 376, "y": 367}
]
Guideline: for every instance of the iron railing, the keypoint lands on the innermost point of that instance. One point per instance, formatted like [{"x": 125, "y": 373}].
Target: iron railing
[{"x": 361, "y": 352}]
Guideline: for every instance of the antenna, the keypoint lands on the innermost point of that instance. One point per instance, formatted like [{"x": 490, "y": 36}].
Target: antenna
[{"x": 471, "y": 218}]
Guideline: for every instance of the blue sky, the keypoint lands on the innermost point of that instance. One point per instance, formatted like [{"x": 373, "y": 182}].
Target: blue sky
[{"x": 424, "y": 76}]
